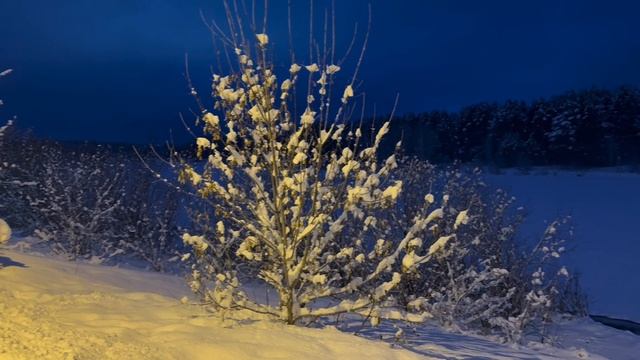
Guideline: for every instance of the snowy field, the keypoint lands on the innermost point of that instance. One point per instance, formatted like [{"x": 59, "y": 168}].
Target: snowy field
[
  {"x": 605, "y": 208},
  {"x": 54, "y": 309}
]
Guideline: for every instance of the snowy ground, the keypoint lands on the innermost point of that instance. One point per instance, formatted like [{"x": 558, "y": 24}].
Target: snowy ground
[
  {"x": 52, "y": 309},
  {"x": 605, "y": 208}
]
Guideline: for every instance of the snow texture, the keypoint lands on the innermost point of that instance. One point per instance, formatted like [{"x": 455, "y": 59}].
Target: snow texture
[{"x": 98, "y": 312}]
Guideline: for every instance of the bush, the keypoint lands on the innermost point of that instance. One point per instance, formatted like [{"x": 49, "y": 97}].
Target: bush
[
  {"x": 489, "y": 280},
  {"x": 87, "y": 200},
  {"x": 295, "y": 197},
  {"x": 79, "y": 192},
  {"x": 148, "y": 217}
]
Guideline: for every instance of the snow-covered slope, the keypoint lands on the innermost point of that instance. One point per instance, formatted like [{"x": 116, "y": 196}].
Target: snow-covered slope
[
  {"x": 57, "y": 310},
  {"x": 605, "y": 208},
  {"x": 52, "y": 309}
]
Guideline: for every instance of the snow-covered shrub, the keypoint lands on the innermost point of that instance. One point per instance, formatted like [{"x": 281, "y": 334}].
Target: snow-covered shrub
[
  {"x": 489, "y": 280},
  {"x": 4, "y": 127},
  {"x": 148, "y": 217},
  {"x": 19, "y": 169},
  {"x": 5, "y": 230},
  {"x": 296, "y": 196},
  {"x": 14, "y": 207},
  {"x": 542, "y": 286},
  {"x": 79, "y": 192},
  {"x": 459, "y": 286},
  {"x": 4, "y": 163},
  {"x": 87, "y": 200}
]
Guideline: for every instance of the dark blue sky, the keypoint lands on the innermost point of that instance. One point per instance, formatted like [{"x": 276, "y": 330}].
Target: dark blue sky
[{"x": 113, "y": 70}]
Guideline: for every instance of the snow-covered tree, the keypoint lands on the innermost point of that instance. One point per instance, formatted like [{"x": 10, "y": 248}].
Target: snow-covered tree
[{"x": 286, "y": 188}]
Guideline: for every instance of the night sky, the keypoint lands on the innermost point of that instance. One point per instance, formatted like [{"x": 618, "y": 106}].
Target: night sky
[{"x": 113, "y": 70}]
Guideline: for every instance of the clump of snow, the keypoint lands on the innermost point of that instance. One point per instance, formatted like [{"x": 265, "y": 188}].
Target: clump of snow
[
  {"x": 393, "y": 191},
  {"x": 332, "y": 69},
  {"x": 197, "y": 242},
  {"x": 263, "y": 39},
  {"x": 563, "y": 271},
  {"x": 429, "y": 198},
  {"x": 348, "y": 93},
  {"x": 319, "y": 279},
  {"x": 211, "y": 119},
  {"x": 312, "y": 68},
  {"x": 5, "y": 231},
  {"x": 439, "y": 244},
  {"x": 461, "y": 219}
]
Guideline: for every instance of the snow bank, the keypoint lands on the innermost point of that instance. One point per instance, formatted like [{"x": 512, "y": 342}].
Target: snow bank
[
  {"x": 52, "y": 309},
  {"x": 58, "y": 310},
  {"x": 5, "y": 231}
]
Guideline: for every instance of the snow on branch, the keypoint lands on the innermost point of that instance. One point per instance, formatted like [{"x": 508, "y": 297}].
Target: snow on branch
[{"x": 296, "y": 197}]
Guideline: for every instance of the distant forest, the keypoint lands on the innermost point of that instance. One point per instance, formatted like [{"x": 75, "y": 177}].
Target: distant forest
[{"x": 577, "y": 129}]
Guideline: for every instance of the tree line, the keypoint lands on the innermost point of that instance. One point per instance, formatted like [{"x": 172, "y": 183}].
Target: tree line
[{"x": 588, "y": 128}]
